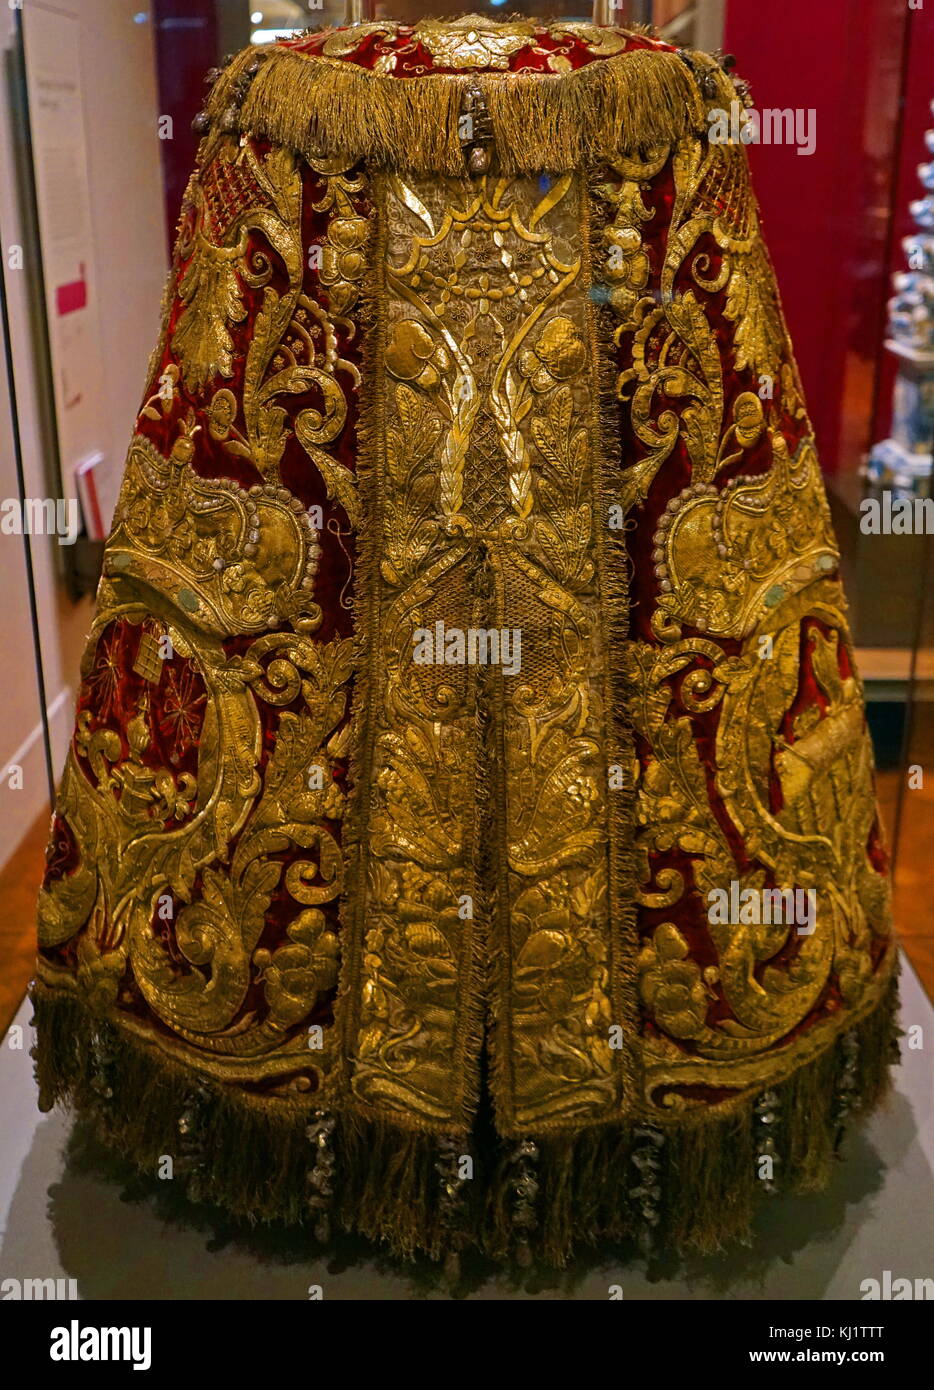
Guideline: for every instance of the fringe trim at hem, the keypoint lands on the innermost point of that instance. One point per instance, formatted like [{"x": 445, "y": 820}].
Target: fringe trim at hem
[
  {"x": 254, "y": 1157},
  {"x": 327, "y": 109}
]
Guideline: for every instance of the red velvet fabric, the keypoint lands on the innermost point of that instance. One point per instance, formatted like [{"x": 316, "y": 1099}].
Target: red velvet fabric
[
  {"x": 413, "y": 59},
  {"x": 111, "y": 688},
  {"x": 689, "y": 914}
]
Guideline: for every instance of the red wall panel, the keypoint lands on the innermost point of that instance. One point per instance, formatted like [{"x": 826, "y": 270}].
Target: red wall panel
[
  {"x": 186, "y": 47},
  {"x": 826, "y": 215},
  {"x": 917, "y": 117}
]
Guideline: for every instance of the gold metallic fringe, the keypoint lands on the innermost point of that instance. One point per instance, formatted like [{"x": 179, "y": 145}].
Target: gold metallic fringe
[
  {"x": 256, "y": 1154},
  {"x": 325, "y": 108}
]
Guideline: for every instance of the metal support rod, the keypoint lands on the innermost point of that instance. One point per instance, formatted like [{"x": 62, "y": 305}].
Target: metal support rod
[
  {"x": 622, "y": 12},
  {"x": 358, "y": 11},
  {"x": 604, "y": 11}
]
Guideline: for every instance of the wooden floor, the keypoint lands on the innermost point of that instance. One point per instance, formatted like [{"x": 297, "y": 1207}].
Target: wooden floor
[
  {"x": 19, "y": 887},
  {"x": 914, "y": 883},
  {"x": 914, "y": 898}
]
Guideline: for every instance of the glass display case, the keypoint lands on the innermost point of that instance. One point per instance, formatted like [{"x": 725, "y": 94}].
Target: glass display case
[{"x": 92, "y": 176}]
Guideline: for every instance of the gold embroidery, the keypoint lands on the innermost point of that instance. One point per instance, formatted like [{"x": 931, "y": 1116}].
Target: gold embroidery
[
  {"x": 472, "y": 41},
  {"x": 487, "y": 522},
  {"x": 742, "y": 561},
  {"x": 236, "y": 193},
  {"x": 293, "y": 345},
  {"x": 204, "y": 561},
  {"x": 826, "y": 778},
  {"x": 486, "y": 875},
  {"x": 600, "y": 42},
  {"x": 674, "y": 352},
  {"x": 233, "y": 560},
  {"x": 211, "y": 898},
  {"x": 731, "y": 555},
  {"x": 345, "y": 41}
]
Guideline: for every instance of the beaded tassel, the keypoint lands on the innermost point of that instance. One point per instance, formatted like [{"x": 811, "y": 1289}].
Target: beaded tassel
[
  {"x": 451, "y": 1202},
  {"x": 190, "y": 1126},
  {"x": 846, "y": 1083},
  {"x": 230, "y": 116},
  {"x": 765, "y": 1112},
  {"x": 103, "y": 1062},
  {"x": 646, "y": 1158},
  {"x": 525, "y": 1190},
  {"x": 320, "y": 1176},
  {"x": 476, "y": 130}
]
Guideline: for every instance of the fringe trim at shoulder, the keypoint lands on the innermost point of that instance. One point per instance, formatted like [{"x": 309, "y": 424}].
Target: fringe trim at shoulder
[{"x": 327, "y": 109}]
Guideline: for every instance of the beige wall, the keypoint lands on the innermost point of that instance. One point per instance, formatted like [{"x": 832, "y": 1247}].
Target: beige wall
[{"x": 118, "y": 72}]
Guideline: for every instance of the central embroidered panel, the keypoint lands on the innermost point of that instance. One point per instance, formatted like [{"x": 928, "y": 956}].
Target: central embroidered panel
[{"x": 484, "y": 824}]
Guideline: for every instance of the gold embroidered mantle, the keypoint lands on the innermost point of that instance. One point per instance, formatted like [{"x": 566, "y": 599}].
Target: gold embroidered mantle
[{"x": 469, "y": 621}]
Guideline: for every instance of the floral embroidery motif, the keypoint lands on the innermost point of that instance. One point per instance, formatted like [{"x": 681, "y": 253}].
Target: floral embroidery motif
[{"x": 240, "y": 857}]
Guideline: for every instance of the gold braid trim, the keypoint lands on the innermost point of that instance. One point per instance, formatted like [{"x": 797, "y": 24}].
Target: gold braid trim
[
  {"x": 326, "y": 108},
  {"x": 613, "y": 569},
  {"x": 370, "y": 431}
]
